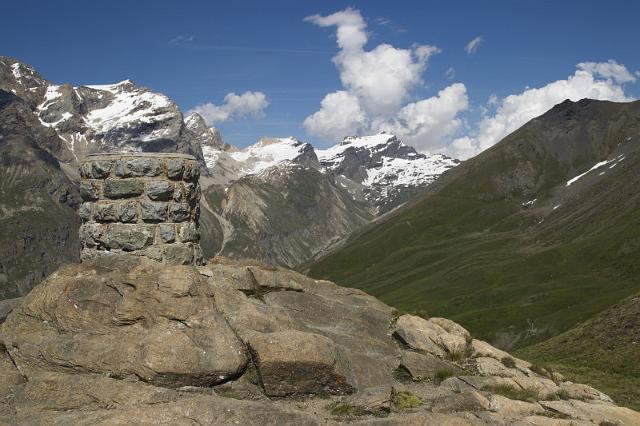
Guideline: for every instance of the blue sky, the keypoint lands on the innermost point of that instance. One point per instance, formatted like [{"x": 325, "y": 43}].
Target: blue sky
[{"x": 198, "y": 52}]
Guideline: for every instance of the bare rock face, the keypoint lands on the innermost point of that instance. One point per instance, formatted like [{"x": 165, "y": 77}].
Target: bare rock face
[
  {"x": 294, "y": 362},
  {"x": 121, "y": 339},
  {"x": 136, "y": 321}
]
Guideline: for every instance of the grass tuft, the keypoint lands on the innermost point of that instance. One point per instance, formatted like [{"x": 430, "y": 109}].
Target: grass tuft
[
  {"x": 405, "y": 400},
  {"x": 442, "y": 375},
  {"x": 342, "y": 409},
  {"x": 457, "y": 356},
  {"x": 508, "y": 362},
  {"x": 401, "y": 374},
  {"x": 510, "y": 392}
]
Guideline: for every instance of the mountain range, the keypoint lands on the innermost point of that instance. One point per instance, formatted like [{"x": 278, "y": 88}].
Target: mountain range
[{"x": 279, "y": 200}]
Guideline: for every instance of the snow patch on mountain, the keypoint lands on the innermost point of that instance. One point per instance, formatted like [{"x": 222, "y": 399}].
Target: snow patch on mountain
[
  {"x": 130, "y": 104},
  {"x": 615, "y": 160},
  {"x": 400, "y": 171},
  {"x": 269, "y": 152}
]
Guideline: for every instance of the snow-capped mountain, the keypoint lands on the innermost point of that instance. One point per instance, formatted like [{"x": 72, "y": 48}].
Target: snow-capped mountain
[
  {"x": 100, "y": 118},
  {"x": 388, "y": 171},
  {"x": 293, "y": 200},
  {"x": 379, "y": 169}
]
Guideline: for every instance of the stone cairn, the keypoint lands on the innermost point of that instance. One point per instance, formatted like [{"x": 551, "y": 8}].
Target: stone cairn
[{"x": 145, "y": 204}]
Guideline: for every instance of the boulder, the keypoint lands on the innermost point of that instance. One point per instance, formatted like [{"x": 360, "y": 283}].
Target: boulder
[
  {"x": 512, "y": 408},
  {"x": 8, "y": 305},
  {"x": 583, "y": 392},
  {"x": 597, "y": 413},
  {"x": 428, "y": 336},
  {"x": 94, "y": 400},
  {"x": 426, "y": 366},
  {"x": 463, "y": 401},
  {"x": 374, "y": 400},
  {"x": 145, "y": 323},
  {"x": 298, "y": 363}
]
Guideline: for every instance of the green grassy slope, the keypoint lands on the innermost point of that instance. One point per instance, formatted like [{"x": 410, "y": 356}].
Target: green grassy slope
[
  {"x": 468, "y": 248},
  {"x": 603, "y": 351}
]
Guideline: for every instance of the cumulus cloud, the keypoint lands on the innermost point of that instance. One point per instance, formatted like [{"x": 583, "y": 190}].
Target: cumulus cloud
[
  {"x": 429, "y": 122},
  {"x": 610, "y": 69},
  {"x": 601, "y": 81},
  {"x": 340, "y": 114},
  {"x": 377, "y": 87},
  {"x": 248, "y": 104},
  {"x": 473, "y": 45}
]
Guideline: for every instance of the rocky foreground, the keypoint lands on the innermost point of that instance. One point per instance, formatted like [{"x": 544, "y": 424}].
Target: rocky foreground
[{"x": 125, "y": 340}]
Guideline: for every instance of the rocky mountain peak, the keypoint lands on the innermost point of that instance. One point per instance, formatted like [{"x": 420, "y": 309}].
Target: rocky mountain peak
[
  {"x": 205, "y": 135},
  {"x": 100, "y": 118},
  {"x": 22, "y": 80},
  {"x": 386, "y": 171}
]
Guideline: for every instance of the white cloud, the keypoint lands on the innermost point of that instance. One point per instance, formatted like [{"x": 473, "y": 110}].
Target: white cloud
[
  {"x": 182, "y": 39},
  {"x": 515, "y": 110},
  {"x": 451, "y": 73},
  {"x": 351, "y": 27},
  {"x": 428, "y": 123},
  {"x": 377, "y": 86},
  {"x": 610, "y": 69},
  {"x": 473, "y": 45},
  {"x": 248, "y": 104},
  {"x": 340, "y": 115}
]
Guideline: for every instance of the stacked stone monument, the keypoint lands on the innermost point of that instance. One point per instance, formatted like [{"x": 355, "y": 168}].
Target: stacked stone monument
[{"x": 141, "y": 203}]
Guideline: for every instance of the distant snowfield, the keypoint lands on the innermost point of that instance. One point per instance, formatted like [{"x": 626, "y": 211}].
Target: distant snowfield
[
  {"x": 616, "y": 160},
  {"x": 416, "y": 170},
  {"x": 269, "y": 152}
]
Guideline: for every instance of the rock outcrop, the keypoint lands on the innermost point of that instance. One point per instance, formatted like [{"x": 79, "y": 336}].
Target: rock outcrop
[{"x": 122, "y": 339}]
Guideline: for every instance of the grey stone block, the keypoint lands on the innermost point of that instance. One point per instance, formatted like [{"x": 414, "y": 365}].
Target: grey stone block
[
  {"x": 128, "y": 237},
  {"x": 127, "y": 212},
  {"x": 95, "y": 169},
  {"x": 121, "y": 169},
  {"x": 179, "y": 193},
  {"x": 178, "y": 254},
  {"x": 188, "y": 232},
  {"x": 153, "y": 252},
  {"x": 166, "y": 232},
  {"x": 192, "y": 191},
  {"x": 89, "y": 190},
  {"x": 144, "y": 167},
  {"x": 191, "y": 172},
  {"x": 175, "y": 168},
  {"x": 90, "y": 235},
  {"x": 179, "y": 212},
  {"x": 160, "y": 190},
  {"x": 123, "y": 188},
  {"x": 85, "y": 211},
  {"x": 153, "y": 212},
  {"x": 105, "y": 212}
]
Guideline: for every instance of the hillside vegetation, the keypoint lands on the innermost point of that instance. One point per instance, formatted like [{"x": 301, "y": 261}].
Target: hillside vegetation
[
  {"x": 603, "y": 351},
  {"x": 502, "y": 244}
]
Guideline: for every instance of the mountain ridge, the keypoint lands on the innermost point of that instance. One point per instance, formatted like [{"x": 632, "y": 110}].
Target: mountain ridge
[{"x": 497, "y": 242}]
